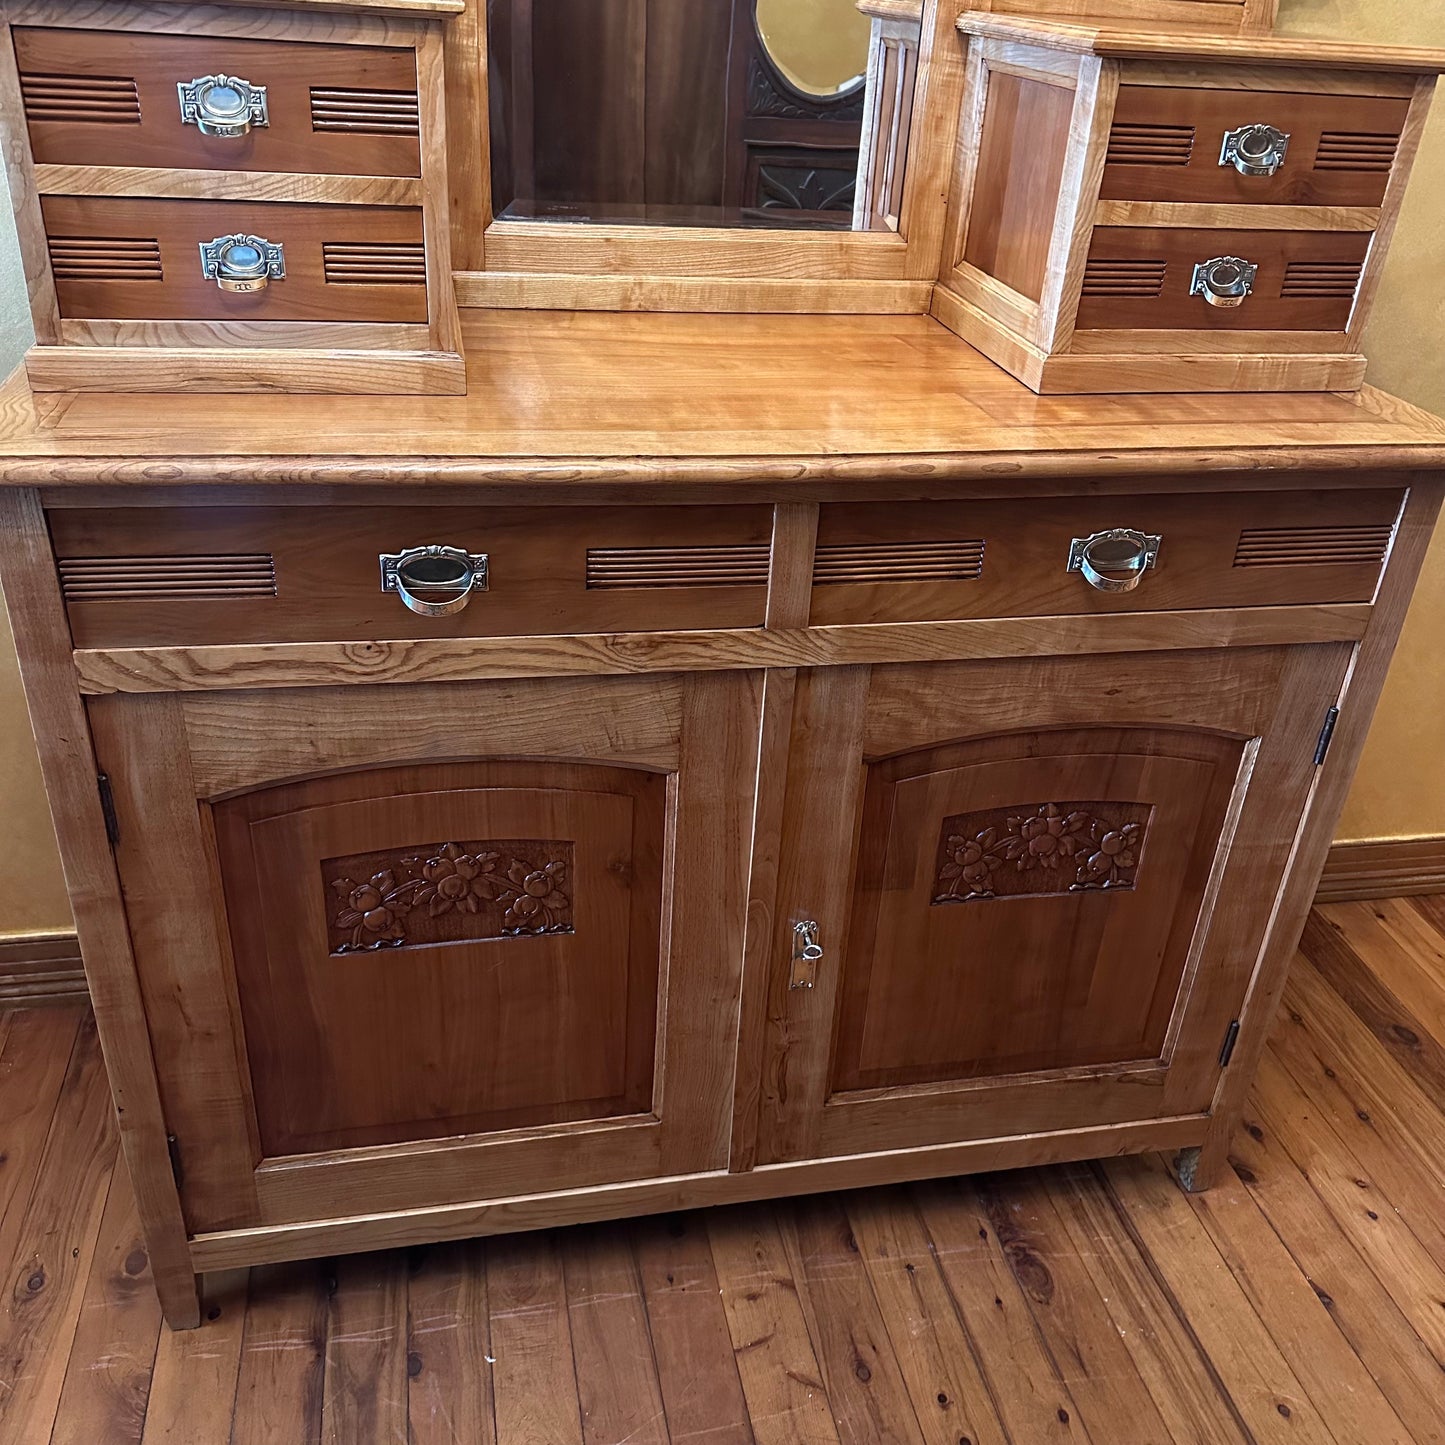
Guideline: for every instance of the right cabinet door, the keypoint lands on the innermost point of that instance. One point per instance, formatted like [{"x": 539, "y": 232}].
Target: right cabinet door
[{"x": 1040, "y": 888}]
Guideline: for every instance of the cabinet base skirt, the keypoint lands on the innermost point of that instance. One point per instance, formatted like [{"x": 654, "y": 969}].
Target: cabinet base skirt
[
  {"x": 273, "y": 1244},
  {"x": 246, "y": 369},
  {"x": 1101, "y": 373}
]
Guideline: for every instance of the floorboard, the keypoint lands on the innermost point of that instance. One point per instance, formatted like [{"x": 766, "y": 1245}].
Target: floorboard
[{"x": 1302, "y": 1300}]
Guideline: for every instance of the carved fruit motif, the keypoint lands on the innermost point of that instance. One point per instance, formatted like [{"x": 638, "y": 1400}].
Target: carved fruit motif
[
  {"x": 507, "y": 891},
  {"x": 1098, "y": 843}
]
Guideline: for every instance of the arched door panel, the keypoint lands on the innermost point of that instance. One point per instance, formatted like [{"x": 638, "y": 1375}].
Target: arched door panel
[
  {"x": 1040, "y": 885},
  {"x": 374, "y": 981}
]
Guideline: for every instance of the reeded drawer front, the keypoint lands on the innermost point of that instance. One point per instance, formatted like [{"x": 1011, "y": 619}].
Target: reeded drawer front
[
  {"x": 1167, "y": 142},
  {"x": 128, "y": 259},
  {"x": 110, "y": 98},
  {"x": 931, "y": 561},
  {"x": 1140, "y": 278},
  {"x": 158, "y": 576}
]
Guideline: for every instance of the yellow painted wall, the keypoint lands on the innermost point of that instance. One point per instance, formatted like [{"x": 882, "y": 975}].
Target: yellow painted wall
[{"x": 1401, "y": 788}]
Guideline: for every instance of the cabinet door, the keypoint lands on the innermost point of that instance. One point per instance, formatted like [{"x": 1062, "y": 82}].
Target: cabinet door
[
  {"x": 1040, "y": 888},
  {"x": 416, "y": 945}
]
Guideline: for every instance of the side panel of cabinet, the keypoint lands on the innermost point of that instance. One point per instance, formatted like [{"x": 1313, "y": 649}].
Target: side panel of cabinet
[
  {"x": 421, "y": 945},
  {"x": 1041, "y": 888}
]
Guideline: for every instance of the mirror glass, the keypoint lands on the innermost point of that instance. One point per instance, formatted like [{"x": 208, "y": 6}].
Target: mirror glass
[{"x": 746, "y": 113}]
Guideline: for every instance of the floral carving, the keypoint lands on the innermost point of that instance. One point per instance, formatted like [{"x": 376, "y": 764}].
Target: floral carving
[
  {"x": 769, "y": 94},
  {"x": 1040, "y": 849},
  {"x": 449, "y": 892}
]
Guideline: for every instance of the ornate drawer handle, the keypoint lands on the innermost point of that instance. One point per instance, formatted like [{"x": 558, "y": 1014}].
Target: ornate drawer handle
[
  {"x": 434, "y": 569},
  {"x": 1224, "y": 281},
  {"x": 1120, "y": 550},
  {"x": 807, "y": 954},
  {"x": 243, "y": 264},
  {"x": 223, "y": 105},
  {"x": 1255, "y": 150}
]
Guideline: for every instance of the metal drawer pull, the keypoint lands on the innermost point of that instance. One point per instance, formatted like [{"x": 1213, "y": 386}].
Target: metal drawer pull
[
  {"x": 807, "y": 954},
  {"x": 1224, "y": 281},
  {"x": 243, "y": 264},
  {"x": 429, "y": 570},
  {"x": 1120, "y": 550},
  {"x": 223, "y": 105},
  {"x": 1255, "y": 150}
]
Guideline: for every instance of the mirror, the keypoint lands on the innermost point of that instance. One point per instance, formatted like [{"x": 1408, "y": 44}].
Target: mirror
[
  {"x": 745, "y": 113},
  {"x": 819, "y": 46}
]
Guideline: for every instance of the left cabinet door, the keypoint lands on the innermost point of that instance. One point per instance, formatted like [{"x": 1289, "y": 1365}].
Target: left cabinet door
[{"x": 413, "y": 945}]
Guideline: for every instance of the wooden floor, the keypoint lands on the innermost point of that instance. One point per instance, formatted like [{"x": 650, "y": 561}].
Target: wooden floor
[{"x": 1303, "y": 1300}]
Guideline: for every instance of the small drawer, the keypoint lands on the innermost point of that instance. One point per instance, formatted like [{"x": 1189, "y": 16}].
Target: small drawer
[
  {"x": 113, "y": 98},
  {"x": 218, "y": 575},
  {"x": 1168, "y": 144},
  {"x": 932, "y": 561},
  {"x": 1144, "y": 278},
  {"x": 127, "y": 259}
]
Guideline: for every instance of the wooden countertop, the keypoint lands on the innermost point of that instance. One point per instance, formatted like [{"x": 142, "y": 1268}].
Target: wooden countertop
[{"x": 733, "y": 404}]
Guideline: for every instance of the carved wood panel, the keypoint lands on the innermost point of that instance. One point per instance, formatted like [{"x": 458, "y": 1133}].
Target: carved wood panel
[
  {"x": 991, "y": 936},
  {"x": 448, "y": 893},
  {"x": 396, "y": 987},
  {"x": 1039, "y": 850}
]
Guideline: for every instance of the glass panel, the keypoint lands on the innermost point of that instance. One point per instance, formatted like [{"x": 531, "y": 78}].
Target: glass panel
[{"x": 747, "y": 113}]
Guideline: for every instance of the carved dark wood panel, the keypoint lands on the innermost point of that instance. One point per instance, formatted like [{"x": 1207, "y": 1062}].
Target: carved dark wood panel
[
  {"x": 1040, "y": 849},
  {"x": 448, "y": 893}
]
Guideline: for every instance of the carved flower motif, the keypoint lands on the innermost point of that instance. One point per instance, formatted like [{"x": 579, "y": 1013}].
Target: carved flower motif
[
  {"x": 456, "y": 879},
  {"x": 1113, "y": 856},
  {"x": 1044, "y": 840},
  {"x": 373, "y": 910},
  {"x": 538, "y": 902},
  {"x": 971, "y": 861}
]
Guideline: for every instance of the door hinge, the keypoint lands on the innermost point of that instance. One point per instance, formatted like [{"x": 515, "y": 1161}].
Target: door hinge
[
  {"x": 107, "y": 808},
  {"x": 1231, "y": 1038},
  {"x": 1327, "y": 733},
  {"x": 173, "y": 1148}
]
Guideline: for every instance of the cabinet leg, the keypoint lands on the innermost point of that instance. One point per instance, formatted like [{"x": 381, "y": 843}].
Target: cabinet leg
[
  {"x": 1199, "y": 1169},
  {"x": 180, "y": 1296}
]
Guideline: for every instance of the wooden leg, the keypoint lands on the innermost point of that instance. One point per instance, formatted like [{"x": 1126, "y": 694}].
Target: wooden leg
[
  {"x": 1200, "y": 1169},
  {"x": 180, "y": 1296}
]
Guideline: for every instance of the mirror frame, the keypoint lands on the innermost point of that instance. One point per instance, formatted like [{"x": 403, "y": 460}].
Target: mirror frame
[{"x": 561, "y": 265}]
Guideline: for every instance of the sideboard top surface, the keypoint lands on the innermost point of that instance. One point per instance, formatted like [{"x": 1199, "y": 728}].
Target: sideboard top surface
[{"x": 724, "y": 402}]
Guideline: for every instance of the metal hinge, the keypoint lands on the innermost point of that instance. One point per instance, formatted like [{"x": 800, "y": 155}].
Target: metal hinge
[
  {"x": 1327, "y": 733},
  {"x": 107, "y": 808},
  {"x": 173, "y": 1148},
  {"x": 1231, "y": 1038}
]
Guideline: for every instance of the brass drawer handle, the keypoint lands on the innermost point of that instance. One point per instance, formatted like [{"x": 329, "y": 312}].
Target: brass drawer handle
[
  {"x": 223, "y": 105},
  {"x": 1121, "y": 550},
  {"x": 1224, "y": 281},
  {"x": 434, "y": 570},
  {"x": 243, "y": 264},
  {"x": 1255, "y": 150}
]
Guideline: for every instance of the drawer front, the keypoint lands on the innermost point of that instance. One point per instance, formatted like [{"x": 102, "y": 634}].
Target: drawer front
[
  {"x": 110, "y": 98},
  {"x": 127, "y": 259},
  {"x": 1139, "y": 278},
  {"x": 1166, "y": 145},
  {"x": 156, "y": 576},
  {"x": 933, "y": 561}
]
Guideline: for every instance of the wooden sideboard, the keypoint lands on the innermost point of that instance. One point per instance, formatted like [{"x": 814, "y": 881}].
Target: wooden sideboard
[{"x": 786, "y": 814}]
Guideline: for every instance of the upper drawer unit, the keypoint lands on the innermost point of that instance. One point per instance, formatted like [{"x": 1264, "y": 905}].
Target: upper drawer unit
[
  {"x": 216, "y": 575},
  {"x": 125, "y": 98},
  {"x": 1054, "y": 557},
  {"x": 138, "y": 259},
  {"x": 1269, "y": 147}
]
